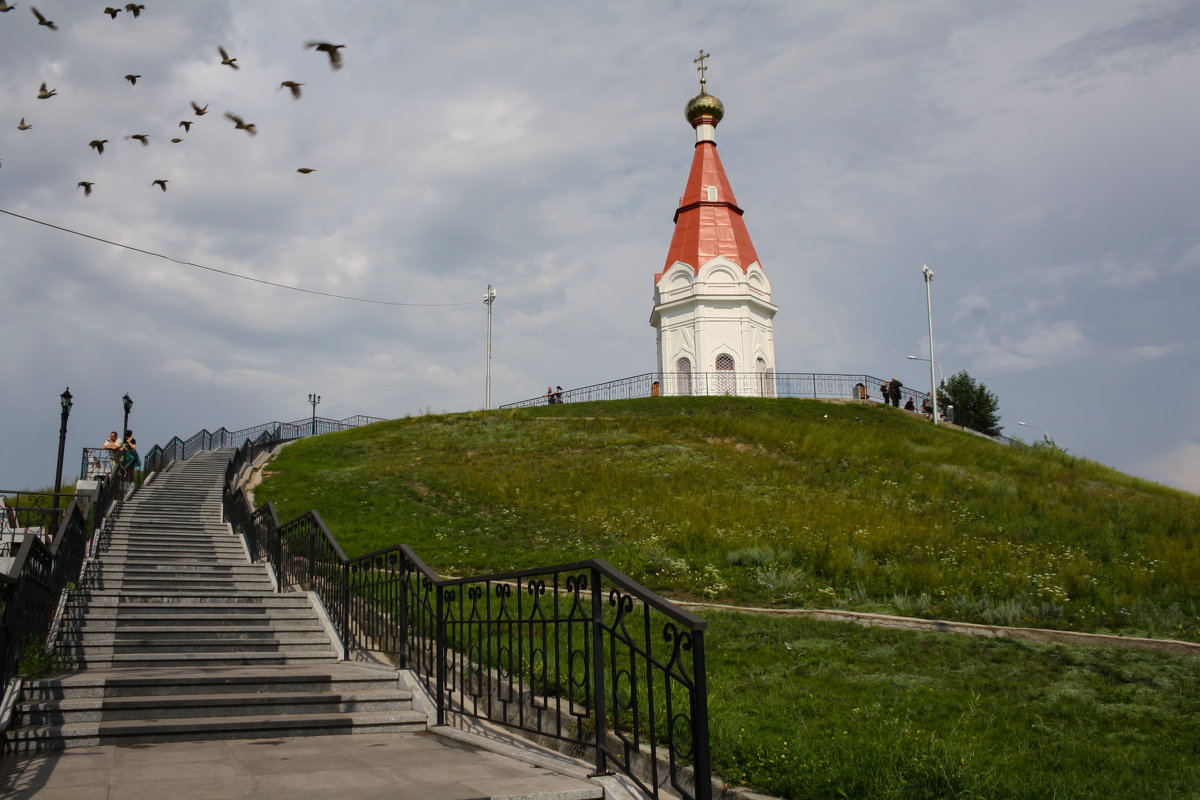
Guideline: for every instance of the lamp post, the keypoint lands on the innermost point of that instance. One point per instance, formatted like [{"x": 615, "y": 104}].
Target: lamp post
[
  {"x": 1045, "y": 434},
  {"x": 314, "y": 399},
  {"x": 65, "y": 399},
  {"x": 928, "y": 273},
  {"x": 127, "y": 403},
  {"x": 488, "y": 299}
]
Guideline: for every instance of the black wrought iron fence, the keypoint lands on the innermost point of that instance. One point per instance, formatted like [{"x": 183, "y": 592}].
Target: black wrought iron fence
[
  {"x": 576, "y": 652},
  {"x": 176, "y": 449},
  {"x": 30, "y": 513},
  {"x": 41, "y": 570}
]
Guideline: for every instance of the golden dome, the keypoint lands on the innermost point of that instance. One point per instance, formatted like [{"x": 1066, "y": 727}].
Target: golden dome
[{"x": 704, "y": 105}]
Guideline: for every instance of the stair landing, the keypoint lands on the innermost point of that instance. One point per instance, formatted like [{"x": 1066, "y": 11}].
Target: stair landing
[{"x": 365, "y": 767}]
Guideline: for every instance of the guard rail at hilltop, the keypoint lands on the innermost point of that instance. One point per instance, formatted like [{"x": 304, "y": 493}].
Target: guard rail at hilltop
[
  {"x": 741, "y": 384},
  {"x": 160, "y": 457},
  {"x": 816, "y": 385}
]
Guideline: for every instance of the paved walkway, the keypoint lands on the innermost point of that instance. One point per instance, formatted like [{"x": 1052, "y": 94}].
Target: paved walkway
[{"x": 424, "y": 766}]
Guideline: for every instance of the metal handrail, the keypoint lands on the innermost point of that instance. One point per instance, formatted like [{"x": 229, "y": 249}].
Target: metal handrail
[
  {"x": 41, "y": 571},
  {"x": 577, "y": 652},
  {"x": 176, "y": 449},
  {"x": 816, "y": 385},
  {"x": 742, "y": 384}
]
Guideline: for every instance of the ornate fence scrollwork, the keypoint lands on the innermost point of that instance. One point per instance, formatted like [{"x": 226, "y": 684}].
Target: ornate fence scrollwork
[
  {"x": 43, "y": 565},
  {"x": 579, "y": 653}
]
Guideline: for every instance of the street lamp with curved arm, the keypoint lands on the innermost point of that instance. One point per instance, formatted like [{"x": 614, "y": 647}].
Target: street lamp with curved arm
[{"x": 1045, "y": 434}]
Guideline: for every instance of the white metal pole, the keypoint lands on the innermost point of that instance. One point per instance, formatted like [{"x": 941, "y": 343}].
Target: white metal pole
[
  {"x": 928, "y": 273},
  {"x": 488, "y": 299}
]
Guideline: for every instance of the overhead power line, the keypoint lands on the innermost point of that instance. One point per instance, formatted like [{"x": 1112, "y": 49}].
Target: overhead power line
[{"x": 235, "y": 274}]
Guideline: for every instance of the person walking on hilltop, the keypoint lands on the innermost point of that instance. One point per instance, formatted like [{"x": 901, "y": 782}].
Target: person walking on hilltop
[{"x": 894, "y": 392}]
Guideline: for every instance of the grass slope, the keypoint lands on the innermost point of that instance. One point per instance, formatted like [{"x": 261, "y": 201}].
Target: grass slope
[
  {"x": 803, "y": 503},
  {"x": 757, "y": 501}
]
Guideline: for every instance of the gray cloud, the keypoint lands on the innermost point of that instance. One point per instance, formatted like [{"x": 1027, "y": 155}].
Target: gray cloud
[{"x": 1043, "y": 167}]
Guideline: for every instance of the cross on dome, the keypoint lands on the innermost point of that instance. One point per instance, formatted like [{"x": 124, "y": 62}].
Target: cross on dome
[{"x": 702, "y": 68}]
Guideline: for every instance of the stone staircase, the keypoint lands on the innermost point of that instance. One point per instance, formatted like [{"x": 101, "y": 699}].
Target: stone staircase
[{"x": 177, "y": 637}]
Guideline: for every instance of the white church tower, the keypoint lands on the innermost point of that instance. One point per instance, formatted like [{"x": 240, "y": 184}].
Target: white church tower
[{"x": 712, "y": 301}]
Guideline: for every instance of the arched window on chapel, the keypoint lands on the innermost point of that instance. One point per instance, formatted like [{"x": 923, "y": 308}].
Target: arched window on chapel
[
  {"x": 683, "y": 376},
  {"x": 726, "y": 379}
]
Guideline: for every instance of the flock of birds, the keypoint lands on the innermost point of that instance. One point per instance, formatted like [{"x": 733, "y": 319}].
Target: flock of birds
[{"x": 333, "y": 51}]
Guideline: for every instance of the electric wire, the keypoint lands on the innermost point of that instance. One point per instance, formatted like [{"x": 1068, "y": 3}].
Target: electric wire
[{"x": 235, "y": 274}]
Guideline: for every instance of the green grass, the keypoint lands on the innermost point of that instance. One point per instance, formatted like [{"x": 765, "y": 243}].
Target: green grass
[
  {"x": 803, "y": 503},
  {"x": 751, "y": 501},
  {"x": 805, "y": 709}
]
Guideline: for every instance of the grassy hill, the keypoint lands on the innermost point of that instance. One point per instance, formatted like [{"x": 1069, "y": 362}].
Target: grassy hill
[
  {"x": 751, "y": 501},
  {"x": 805, "y": 503}
]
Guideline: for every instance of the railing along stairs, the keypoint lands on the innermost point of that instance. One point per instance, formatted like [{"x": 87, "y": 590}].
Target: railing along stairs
[
  {"x": 96, "y": 460},
  {"x": 579, "y": 653},
  {"x": 39, "y": 567}
]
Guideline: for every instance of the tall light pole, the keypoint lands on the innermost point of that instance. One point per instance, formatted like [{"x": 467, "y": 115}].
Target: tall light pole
[
  {"x": 928, "y": 273},
  {"x": 488, "y": 299},
  {"x": 127, "y": 404},
  {"x": 314, "y": 399},
  {"x": 65, "y": 400}
]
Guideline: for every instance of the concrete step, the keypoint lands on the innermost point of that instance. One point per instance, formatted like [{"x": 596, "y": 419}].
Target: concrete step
[
  {"x": 185, "y": 602},
  {"x": 158, "y": 707},
  {"x": 177, "y": 583},
  {"x": 101, "y": 631},
  {"x": 112, "y": 617},
  {"x": 340, "y": 677},
  {"x": 194, "y": 659},
  {"x": 270, "y": 726},
  {"x": 90, "y": 649}
]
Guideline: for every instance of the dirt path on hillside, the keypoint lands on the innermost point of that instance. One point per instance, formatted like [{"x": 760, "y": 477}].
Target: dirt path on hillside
[{"x": 963, "y": 628}]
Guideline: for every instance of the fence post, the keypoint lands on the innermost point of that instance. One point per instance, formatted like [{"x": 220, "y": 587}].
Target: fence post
[
  {"x": 599, "y": 708},
  {"x": 312, "y": 553},
  {"x": 701, "y": 758},
  {"x": 441, "y": 657},
  {"x": 404, "y": 587},
  {"x": 345, "y": 611}
]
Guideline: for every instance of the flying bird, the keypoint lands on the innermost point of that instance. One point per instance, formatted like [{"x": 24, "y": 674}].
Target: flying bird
[
  {"x": 160, "y": 183},
  {"x": 112, "y": 12},
  {"x": 21, "y": 126},
  {"x": 44, "y": 94},
  {"x": 87, "y": 187},
  {"x": 176, "y": 140},
  {"x": 141, "y": 137},
  {"x": 132, "y": 79},
  {"x": 200, "y": 112},
  {"x": 335, "y": 58},
  {"x": 241, "y": 125},
  {"x": 42, "y": 20},
  {"x": 4, "y": 6},
  {"x": 98, "y": 145},
  {"x": 134, "y": 8},
  {"x": 186, "y": 124},
  {"x": 305, "y": 170},
  {"x": 295, "y": 87},
  {"x": 226, "y": 60}
]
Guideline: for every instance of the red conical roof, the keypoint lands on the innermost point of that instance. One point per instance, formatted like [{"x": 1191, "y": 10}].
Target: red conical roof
[{"x": 704, "y": 228}]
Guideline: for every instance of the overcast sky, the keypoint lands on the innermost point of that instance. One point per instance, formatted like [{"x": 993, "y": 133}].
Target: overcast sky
[{"x": 1041, "y": 157}]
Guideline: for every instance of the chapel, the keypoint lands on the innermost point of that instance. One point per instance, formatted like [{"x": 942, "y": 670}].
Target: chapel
[{"x": 712, "y": 300}]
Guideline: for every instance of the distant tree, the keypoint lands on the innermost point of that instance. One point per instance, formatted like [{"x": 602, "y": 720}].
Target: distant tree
[{"x": 974, "y": 406}]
